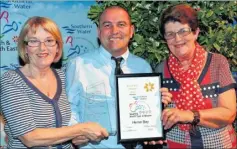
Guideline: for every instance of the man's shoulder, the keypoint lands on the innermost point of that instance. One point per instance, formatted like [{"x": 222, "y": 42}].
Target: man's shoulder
[
  {"x": 138, "y": 64},
  {"x": 137, "y": 59},
  {"x": 86, "y": 56}
]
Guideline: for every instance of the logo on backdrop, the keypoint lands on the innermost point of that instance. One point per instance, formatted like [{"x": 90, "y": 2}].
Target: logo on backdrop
[
  {"x": 11, "y": 22},
  {"x": 79, "y": 29},
  {"x": 77, "y": 44}
]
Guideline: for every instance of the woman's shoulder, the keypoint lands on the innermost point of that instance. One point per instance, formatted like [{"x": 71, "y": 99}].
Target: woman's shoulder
[
  {"x": 160, "y": 67},
  {"x": 10, "y": 77},
  {"x": 216, "y": 57},
  {"x": 10, "y": 74},
  {"x": 60, "y": 72}
]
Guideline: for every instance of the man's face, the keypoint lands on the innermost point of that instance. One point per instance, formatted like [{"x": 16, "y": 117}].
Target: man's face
[{"x": 115, "y": 30}]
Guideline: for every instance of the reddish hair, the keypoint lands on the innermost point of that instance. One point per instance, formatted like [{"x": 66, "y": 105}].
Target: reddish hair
[
  {"x": 182, "y": 13},
  {"x": 32, "y": 24}
]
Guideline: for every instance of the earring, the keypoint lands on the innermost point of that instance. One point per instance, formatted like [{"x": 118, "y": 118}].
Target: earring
[{"x": 27, "y": 56}]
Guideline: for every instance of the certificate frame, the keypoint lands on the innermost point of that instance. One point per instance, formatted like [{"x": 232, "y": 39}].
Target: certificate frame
[{"x": 139, "y": 107}]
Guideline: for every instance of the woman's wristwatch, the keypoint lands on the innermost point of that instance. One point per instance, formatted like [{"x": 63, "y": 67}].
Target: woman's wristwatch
[
  {"x": 196, "y": 120},
  {"x": 196, "y": 117}
]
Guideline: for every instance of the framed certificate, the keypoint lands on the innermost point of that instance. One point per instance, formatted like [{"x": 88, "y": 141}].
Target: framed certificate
[{"x": 139, "y": 107}]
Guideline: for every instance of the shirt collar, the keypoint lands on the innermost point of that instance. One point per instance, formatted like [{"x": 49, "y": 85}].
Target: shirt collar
[{"x": 108, "y": 56}]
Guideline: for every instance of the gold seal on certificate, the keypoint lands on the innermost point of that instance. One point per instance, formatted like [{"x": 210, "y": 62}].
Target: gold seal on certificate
[{"x": 139, "y": 107}]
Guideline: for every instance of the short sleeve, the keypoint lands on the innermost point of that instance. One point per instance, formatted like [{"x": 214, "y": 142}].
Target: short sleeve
[
  {"x": 226, "y": 79},
  {"x": 15, "y": 105}
]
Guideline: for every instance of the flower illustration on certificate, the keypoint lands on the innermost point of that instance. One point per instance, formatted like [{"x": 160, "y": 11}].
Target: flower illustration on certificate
[{"x": 149, "y": 87}]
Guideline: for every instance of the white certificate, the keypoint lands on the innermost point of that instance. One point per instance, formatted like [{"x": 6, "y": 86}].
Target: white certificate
[{"x": 139, "y": 107}]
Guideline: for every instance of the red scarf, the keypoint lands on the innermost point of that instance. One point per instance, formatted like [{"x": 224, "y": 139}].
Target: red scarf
[{"x": 189, "y": 96}]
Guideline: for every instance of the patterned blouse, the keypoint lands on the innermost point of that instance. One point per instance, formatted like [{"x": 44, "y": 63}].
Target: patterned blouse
[{"x": 215, "y": 79}]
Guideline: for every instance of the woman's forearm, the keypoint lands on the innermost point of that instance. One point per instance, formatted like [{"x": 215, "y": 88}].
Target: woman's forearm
[
  {"x": 223, "y": 114},
  {"x": 216, "y": 117},
  {"x": 50, "y": 136}
]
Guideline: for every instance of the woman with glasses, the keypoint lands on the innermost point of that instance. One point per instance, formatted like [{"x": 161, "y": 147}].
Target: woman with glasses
[
  {"x": 203, "y": 106},
  {"x": 33, "y": 98}
]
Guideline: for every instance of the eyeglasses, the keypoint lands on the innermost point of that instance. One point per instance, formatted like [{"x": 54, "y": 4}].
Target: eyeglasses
[
  {"x": 37, "y": 43},
  {"x": 182, "y": 32}
]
